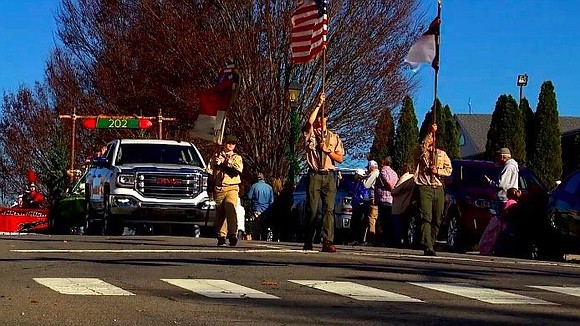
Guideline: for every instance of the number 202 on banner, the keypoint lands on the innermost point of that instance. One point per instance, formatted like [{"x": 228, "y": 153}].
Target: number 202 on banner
[{"x": 123, "y": 123}]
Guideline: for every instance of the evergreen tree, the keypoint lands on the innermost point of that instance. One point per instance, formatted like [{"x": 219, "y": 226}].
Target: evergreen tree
[
  {"x": 506, "y": 129},
  {"x": 528, "y": 116},
  {"x": 384, "y": 136},
  {"x": 447, "y": 137},
  {"x": 451, "y": 135},
  {"x": 546, "y": 161},
  {"x": 428, "y": 121},
  {"x": 407, "y": 135}
]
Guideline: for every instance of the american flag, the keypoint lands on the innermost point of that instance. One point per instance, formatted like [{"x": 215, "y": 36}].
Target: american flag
[{"x": 309, "y": 29}]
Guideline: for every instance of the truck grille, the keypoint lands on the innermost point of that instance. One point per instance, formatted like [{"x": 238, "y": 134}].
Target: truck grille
[{"x": 169, "y": 185}]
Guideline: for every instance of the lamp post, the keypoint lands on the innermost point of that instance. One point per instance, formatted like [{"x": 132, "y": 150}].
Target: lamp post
[
  {"x": 522, "y": 81},
  {"x": 294, "y": 90}
]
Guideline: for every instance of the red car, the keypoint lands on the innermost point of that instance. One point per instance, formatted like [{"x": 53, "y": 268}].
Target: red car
[{"x": 470, "y": 202}]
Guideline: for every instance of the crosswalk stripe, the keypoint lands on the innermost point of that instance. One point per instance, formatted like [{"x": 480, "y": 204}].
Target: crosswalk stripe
[
  {"x": 81, "y": 286},
  {"x": 574, "y": 291},
  {"x": 215, "y": 288},
  {"x": 355, "y": 291},
  {"x": 480, "y": 293},
  {"x": 219, "y": 289}
]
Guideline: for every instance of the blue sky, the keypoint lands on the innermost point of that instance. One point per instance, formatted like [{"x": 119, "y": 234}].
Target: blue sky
[
  {"x": 27, "y": 31},
  {"x": 485, "y": 44}
]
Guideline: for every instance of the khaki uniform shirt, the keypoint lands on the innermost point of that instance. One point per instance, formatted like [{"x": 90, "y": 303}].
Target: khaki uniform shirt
[
  {"x": 313, "y": 151},
  {"x": 423, "y": 175},
  {"x": 220, "y": 176}
]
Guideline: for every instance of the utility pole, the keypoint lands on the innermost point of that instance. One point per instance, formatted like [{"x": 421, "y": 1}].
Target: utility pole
[
  {"x": 522, "y": 81},
  {"x": 160, "y": 120},
  {"x": 73, "y": 118}
]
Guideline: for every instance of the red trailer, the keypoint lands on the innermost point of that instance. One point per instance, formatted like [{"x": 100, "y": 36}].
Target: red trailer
[{"x": 23, "y": 219}]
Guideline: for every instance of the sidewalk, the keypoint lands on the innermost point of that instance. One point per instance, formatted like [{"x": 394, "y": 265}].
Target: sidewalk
[{"x": 573, "y": 258}]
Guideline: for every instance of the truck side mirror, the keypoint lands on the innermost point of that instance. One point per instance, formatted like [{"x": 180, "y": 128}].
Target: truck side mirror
[{"x": 100, "y": 162}]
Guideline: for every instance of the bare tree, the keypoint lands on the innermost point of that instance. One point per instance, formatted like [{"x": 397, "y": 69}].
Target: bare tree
[
  {"x": 363, "y": 70},
  {"x": 31, "y": 138},
  {"x": 136, "y": 57}
]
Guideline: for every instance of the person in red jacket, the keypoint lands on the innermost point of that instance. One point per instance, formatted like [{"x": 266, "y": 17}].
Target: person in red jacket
[{"x": 33, "y": 198}]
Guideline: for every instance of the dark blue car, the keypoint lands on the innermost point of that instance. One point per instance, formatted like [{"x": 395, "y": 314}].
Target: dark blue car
[
  {"x": 564, "y": 211},
  {"x": 342, "y": 208}
]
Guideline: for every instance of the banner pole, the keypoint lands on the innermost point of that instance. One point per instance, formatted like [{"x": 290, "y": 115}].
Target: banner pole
[{"x": 435, "y": 65}]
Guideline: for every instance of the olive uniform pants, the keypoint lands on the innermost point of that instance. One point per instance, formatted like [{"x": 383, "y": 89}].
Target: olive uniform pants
[
  {"x": 431, "y": 201},
  {"x": 321, "y": 185}
]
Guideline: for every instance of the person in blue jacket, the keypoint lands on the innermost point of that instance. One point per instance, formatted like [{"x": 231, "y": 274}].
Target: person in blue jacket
[{"x": 262, "y": 196}]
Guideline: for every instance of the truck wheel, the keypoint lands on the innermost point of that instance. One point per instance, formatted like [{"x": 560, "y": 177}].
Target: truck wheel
[
  {"x": 454, "y": 232},
  {"x": 412, "y": 236},
  {"x": 111, "y": 225},
  {"x": 93, "y": 225}
]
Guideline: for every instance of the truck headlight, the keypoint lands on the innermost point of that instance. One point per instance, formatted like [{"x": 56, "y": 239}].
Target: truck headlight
[{"x": 126, "y": 180}]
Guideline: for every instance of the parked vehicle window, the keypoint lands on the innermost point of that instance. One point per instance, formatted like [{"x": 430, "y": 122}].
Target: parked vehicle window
[
  {"x": 522, "y": 184},
  {"x": 530, "y": 179},
  {"x": 346, "y": 183},
  {"x": 573, "y": 186},
  {"x": 472, "y": 176},
  {"x": 343, "y": 184}
]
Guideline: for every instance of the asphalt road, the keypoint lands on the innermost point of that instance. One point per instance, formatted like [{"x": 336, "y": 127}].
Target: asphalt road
[{"x": 134, "y": 280}]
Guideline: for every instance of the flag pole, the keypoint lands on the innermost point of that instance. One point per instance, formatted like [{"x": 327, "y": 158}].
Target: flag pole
[
  {"x": 435, "y": 66},
  {"x": 322, "y": 155},
  {"x": 323, "y": 77},
  {"x": 435, "y": 63}
]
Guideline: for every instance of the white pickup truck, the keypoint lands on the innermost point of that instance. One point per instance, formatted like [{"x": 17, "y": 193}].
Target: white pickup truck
[{"x": 147, "y": 182}]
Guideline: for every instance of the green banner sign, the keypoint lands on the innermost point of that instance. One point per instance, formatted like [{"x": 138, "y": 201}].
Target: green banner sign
[{"x": 117, "y": 123}]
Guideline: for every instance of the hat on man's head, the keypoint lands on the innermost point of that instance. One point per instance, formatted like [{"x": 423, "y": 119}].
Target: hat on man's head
[
  {"x": 504, "y": 151},
  {"x": 230, "y": 139},
  {"x": 373, "y": 163},
  {"x": 32, "y": 184}
]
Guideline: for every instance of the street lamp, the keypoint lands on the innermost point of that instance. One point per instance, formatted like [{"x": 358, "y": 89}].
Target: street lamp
[
  {"x": 294, "y": 91},
  {"x": 522, "y": 81}
]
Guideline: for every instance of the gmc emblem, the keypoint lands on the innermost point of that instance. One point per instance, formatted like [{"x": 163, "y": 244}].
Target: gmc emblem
[{"x": 168, "y": 181}]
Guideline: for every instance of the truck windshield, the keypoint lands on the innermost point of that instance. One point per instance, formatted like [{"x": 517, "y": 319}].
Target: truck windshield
[{"x": 157, "y": 153}]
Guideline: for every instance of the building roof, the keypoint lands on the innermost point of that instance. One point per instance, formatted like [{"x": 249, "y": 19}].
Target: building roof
[
  {"x": 474, "y": 128},
  {"x": 570, "y": 125}
]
